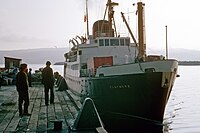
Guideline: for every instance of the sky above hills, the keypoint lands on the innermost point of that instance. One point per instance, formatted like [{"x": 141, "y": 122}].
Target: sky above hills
[{"x": 29, "y": 24}]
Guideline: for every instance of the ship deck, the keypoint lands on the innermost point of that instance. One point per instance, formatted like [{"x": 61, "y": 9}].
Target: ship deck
[{"x": 65, "y": 109}]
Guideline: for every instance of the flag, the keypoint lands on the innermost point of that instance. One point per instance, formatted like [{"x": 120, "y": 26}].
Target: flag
[{"x": 85, "y": 18}]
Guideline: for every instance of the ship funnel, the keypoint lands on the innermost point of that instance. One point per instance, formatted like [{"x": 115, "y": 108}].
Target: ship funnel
[{"x": 101, "y": 29}]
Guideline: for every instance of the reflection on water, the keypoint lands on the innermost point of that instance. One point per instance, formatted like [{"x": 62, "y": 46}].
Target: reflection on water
[
  {"x": 171, "y": 113},
  {"x": 182, "y": 114}
]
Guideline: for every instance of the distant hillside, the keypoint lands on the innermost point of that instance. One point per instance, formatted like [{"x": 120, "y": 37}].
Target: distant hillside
[
  {"x": 189, "y": 63},
  {"x": 40, "y": 56},
  {"x": 36, "y": 56},
  {"x": 180, "y": 54}
]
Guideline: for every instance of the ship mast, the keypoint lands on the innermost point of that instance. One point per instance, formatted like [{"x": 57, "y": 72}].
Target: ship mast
[
  {"x": 87, "y": 19},
  {"x": 141, "y": 31},
  {"x": 110, "y": 6}
]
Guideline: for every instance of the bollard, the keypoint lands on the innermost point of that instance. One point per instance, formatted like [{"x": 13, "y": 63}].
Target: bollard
[{"x": 57, "y": 125}]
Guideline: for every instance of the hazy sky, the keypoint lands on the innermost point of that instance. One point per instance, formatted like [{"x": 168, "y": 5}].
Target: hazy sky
[{"x": 28, "y": 24}]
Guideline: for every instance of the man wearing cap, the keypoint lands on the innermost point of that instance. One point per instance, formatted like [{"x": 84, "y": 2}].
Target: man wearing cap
[
  {"x": 48, "y": 81},
  {"x": 22, "y": 89}
]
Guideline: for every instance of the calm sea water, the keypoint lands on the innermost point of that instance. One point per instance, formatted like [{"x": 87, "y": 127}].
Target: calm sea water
[
  {"x": 56, "y": 68},
  {"x": 182, "y": 114}
]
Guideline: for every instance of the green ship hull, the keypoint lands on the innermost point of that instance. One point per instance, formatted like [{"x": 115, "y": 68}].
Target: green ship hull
[{"x": 126, "y": 100}]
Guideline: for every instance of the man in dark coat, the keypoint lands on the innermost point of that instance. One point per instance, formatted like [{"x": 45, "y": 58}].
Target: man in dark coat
[
  {"x": 22, "y": 89},
  {"x": 48, "y": 81}
]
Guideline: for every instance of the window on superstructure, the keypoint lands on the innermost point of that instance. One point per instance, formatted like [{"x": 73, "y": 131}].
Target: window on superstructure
[
  {"x": 114, "y": 42},
  {"x": 84, "y": 66},
  {"x": 75, "y": 67},
  {"x": 96, "y": 41},
  {"x": 122, "y": 42},
  {"x": 101, "y": 42},
  {"x": 80, "y": 52},
  {"x": 106, "y": 42},
  {"x": 127, "y": 42}
]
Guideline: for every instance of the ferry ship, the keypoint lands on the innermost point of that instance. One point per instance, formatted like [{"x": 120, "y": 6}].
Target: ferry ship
[{"x": 126, "y": 85}]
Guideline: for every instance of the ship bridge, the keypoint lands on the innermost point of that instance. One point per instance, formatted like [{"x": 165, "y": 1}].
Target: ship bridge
[{"x": 112, "y": 41}]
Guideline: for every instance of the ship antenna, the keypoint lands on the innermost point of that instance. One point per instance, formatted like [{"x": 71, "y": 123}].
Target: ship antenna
[{"x": 166, "y": 43}]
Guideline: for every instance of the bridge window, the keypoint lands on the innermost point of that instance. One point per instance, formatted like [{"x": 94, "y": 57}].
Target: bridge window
[
  {"x": 127, "y": 42},
  {"x": 106, "y": 42},
  {"x": 114, "y": 42},
  {"x": 101, "y": 42},
  {"x": 122, "y": 42}
]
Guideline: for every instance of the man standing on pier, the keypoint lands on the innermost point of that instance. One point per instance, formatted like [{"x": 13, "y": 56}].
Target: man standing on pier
[
  {"x": 22, "y": 89},
  {"x": 30, "y": 77},
  {"x": 48, "y": 81}
]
